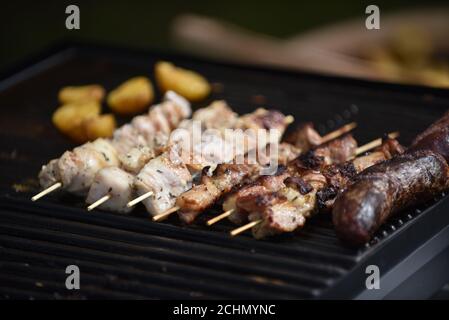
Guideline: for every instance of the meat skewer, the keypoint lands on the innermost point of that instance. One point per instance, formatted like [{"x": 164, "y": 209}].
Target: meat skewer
[
  {"x": 335, "y": 151},
  {"x": 115, "y": 184},
  {"x": 229, "y": 205},
  {"x": 262, "y": 119},
  {"x": 387, "y": 188},
  {"x": 227, "y": 176},
  {"x": 75, "y": 170},
  {"x": 169, "y": 175},
  {"x": 287, "y": 209}
]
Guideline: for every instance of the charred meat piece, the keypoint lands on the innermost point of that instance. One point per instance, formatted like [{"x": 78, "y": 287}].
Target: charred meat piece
[
  {"x": 226, "y": 178},
  {"x": 334, "y": 151},
  {"x": 384, "y": 189},
  {"x": 339, "y": 176},
  {"x": 304, "y": 137},
  {"x": 301, "y": 194}
]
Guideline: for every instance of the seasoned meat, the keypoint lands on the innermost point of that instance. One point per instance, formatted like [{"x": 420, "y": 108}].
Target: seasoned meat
[
  {"x": 301, "y": 194},
  {"x": 339, "y": 176},
  {"x": 334, "y": 151},
  {"x": 217, "y": 115},
  {"x": 167, "y": 177},
  {"x": 49, "y": 174},
  {"x": 136, "y": 158},
  {"x": 77, "y": 168},
  {"x": 304, "y": 137},
  {"x": 114, "y": 182},
  {"x": 386, "y": 188}
]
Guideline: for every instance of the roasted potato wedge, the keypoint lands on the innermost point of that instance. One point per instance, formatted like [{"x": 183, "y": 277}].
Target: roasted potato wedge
[
  {"x": 132, "y": 96},
  {"x": 74, "y": 94},
  {"x": 69, "y": 118},
  {"x": 102, "y": 126},
  {"x": 189, "y": 84}
]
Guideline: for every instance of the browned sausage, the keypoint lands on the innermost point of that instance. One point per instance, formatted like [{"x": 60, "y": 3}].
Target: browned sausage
[{"x": 384, "y": 189}]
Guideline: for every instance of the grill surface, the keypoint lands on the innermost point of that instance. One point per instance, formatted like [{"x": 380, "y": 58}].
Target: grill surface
[{"x": 132, "y": 257}]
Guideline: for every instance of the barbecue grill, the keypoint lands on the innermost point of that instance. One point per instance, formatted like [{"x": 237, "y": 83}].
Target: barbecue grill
[{"x": 133, "y": 257}]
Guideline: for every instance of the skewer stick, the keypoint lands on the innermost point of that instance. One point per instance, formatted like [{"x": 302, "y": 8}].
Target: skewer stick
[
  {"x": 220, "y": 217},
  {"x": 165, "y": 214},
  {"x": 99, "y": 202},
  {"x": 247, "y": 226},
  {"x": 139, "y": 199},
  {"x": 47, "y": 191},
  {"x": 374, "y": 143},
  {"x": 340, "y": 131},
  {"x": 360, "y": 150},
  {"x": 289, "y": 119}
]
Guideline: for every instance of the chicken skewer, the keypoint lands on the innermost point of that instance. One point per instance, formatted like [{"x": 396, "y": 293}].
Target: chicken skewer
[
  {"x": 286, "y": 209},
  {"x": 198, "y": 199},
  {"x": 115, "y": 183},
  {"x": 168, "y": 175},
  {"x": 229, "y": 176},
  {"x": 75, "y": 170},
  {"x": 154, "y": 177}
]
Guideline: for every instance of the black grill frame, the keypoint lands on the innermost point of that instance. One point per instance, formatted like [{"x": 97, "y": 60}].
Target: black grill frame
[{"x": 132, "y": 257}]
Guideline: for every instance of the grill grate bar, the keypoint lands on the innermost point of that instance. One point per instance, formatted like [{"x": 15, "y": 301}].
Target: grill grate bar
[
  {"x": 341, "y": 255},
  {"x": 126, "y": 256},
  {"x": 169, "y": 245},
  {"x": 197, "y": 274},
  {"x": 103, "y": 245}
]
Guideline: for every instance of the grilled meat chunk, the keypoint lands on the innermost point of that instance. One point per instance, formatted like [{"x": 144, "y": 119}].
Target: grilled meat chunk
[
  {"x": 115, "y": 182},
  {"x": 384, "y": 189},
  {"x": 167, "y": 177},
  {"x": 77, "y": 168},
  {"x": 303, "y": 190},
  {"x": 304, "y": 137}
]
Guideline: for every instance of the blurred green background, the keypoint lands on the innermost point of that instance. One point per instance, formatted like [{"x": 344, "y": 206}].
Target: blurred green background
[{"x": 27, "y": 27}]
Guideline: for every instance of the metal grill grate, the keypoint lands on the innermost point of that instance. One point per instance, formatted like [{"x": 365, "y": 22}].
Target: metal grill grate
[{"x": 132, "y": 257}]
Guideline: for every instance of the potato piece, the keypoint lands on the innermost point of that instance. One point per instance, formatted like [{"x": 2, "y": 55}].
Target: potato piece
[
  {"x": 69, "y": 118},
  {"x": 100, "y": 127},
  {"x": 189, "y": 84},
  {"x": 73, "y": 94},
  {"x": 132, "y": 96}
]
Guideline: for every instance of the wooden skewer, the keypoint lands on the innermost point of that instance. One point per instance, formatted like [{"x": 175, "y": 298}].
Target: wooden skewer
[
  {"x": 47, "y": 191},
  {"x": 374, "y": 143},
  {"x": 289, "y": 119},
  {"x": 165, "y": 214},
  {"x": 247, "y": 226},
  {"x": 139, "y": 199},
  {"x": 360, "y": 150},
  {"x": 129, "y": 204},
  {"x": 99, "y": 202},
  {"x": 330, "y": 136},
  {"x": 220, "y": 217},
  {"x": 340, "y": 131}
]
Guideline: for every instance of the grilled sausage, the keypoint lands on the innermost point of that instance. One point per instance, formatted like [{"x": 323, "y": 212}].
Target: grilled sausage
[{"x": 382, "y": 190}]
